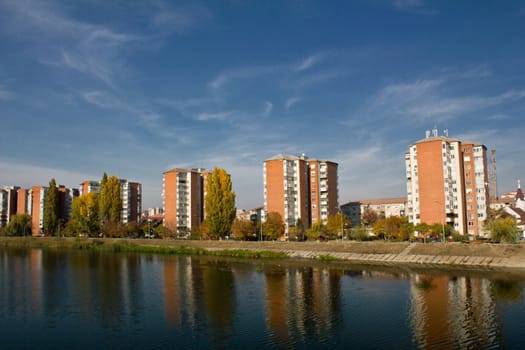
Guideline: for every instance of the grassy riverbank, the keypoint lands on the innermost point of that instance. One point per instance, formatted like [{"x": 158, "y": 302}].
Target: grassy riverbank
[
  {"x": 135, "y": 246},
  {"x": 266, "y": 249}
]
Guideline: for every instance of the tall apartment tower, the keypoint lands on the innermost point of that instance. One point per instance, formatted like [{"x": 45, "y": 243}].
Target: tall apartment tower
[
  {"x": 447, "y": 183},
  {"x": 36, "y": 199},
  {"x": 323, "y": 190},
  {"x": 131, "y": 196},
  {"x": 286, "y": 188},
  {"x": 183, "y": 192},
  {"x": 298, "y": 188}
]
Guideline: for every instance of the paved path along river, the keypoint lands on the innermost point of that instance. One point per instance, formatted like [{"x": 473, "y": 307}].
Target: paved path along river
[{"x": 472, "y": 254}]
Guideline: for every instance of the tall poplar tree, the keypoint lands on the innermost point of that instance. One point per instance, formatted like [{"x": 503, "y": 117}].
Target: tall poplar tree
[
  {"x": 115, "y": 201},
  {"x": 84, "y": 214},
  {"x": 51, "y": 209},
  {"x": 220, "y": 203},
  {"x": 103, "y": 200}
]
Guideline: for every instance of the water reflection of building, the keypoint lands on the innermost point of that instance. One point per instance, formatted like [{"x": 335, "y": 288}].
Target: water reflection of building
[
  {"x": 459, "y": 311},
  {"x": 21, "y": 283},
  {"x": 302, "y": 302},
  {"x": 197, "y": 294},
  {"x": 179, "y": 295}
]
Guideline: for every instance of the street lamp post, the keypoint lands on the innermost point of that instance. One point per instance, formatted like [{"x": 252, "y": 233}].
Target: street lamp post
[
  {"x": 261, "y": 234},
  {"x": 443, "y": 231},
  {"x": 342, "y": 225},
  {"x": 442, "y": 222}
]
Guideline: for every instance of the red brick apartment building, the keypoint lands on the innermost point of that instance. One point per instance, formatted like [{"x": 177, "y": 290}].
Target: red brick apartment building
[
  {"x": 184, "y": 193},
  {"x": 299, "y": 188},
  {"x": 447, "y": 183}
]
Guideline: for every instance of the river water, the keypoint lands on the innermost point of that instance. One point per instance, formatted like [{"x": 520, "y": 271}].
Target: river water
[{"x": 82, "y": 300}]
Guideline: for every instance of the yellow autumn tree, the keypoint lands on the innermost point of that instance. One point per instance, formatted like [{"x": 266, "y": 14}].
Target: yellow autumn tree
[{"x": 220, "y": 204}]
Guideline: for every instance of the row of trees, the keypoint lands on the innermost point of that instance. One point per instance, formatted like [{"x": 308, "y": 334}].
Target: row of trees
[{"x": 93, "y": 214}]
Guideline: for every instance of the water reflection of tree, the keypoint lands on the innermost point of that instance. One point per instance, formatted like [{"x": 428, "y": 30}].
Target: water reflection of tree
[
  {"x": 425, "y": 283},
  {"x": 507, "y": 290},
  {"x": 219, "y": 298}
]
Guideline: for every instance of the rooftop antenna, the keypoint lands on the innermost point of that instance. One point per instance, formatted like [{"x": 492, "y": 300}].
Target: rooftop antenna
[
  {"x": 435, "y": 131},
  {"x": 445, "y": 132}
]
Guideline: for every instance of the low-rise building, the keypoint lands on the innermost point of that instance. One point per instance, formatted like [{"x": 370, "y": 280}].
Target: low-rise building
[{"x": 383, "y": 207}]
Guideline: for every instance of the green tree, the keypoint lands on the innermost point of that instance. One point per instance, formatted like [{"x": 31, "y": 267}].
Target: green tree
[
  {"x": 394, "y": 227},
  {"x": 19, "y": 225},
  {"x": 84, "y": 215},
  {"x": 109, "y": 202},
  {"x": 503, "y": 229},
  {"x": 273, "y": 227},
  {"x": 379, "y": 228},
  {"x": 335, "y": 224},
  {"x": 359, "y": 233},
  {"x": 51, "y": 209},
  {"x": 406, "y": 229},
  {"x": 220, "y": 203},
  {"x": 423, "y": 229},
  {"x": 243, "y": 229},
  {"x": 318, "y": 231},
  {"x": 104, "y": 202},
  {"x": 369, "y": 217},
  {"x": 115, "y": 200}
]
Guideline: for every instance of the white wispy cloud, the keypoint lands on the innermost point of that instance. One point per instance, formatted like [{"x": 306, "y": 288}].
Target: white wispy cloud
[
  {"x": 268, "y": 108},
  {"x": 63, "y": 41},
  {"x": 179, "y": 20},
  {"x": 241, "y": 74},
  {"x": 308, "y": 62},
  {"x": 213, "y": 116},
  {"x": 6, "y": 94},
  {"x": 189, "y": 103},
  {"x": 107, "y": 100},
  {"x": 425, "y": 100},
  {"x": 290, "y": 102},
  {"x": 480, "y": 71}
]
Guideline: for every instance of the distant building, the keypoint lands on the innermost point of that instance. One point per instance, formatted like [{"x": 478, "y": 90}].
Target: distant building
[
  {"x": 299, "y": 188},
  {"x": 8, "y": 204},
  {"x": 517, "y": 210},
  {"x": 447, "y": 182},
  {"x": 383, "y": 207},
  {"x": 89, "y": 186},
  {"x": 183, "y": 193},
  {"x": 249, "y": 214},
  {"x": 36, "y": 199}
]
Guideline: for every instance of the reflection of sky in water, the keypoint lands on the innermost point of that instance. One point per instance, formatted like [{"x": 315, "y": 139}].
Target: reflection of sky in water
[{"x": 81, "y": 300}]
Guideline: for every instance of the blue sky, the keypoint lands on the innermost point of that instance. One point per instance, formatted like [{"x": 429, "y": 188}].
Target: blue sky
[{"x": 134, "y": 88}]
